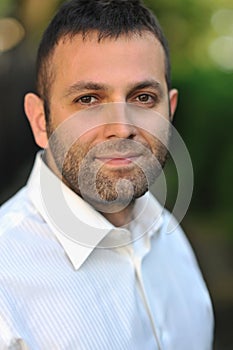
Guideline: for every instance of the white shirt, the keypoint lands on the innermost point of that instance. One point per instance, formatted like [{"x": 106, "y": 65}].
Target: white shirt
[{"x": 57, "y": 294}]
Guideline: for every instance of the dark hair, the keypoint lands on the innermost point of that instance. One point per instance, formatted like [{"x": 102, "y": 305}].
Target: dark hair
[{"x": 109, "y": 18}]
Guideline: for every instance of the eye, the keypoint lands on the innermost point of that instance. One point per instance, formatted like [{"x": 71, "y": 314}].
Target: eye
[
  {"x": 145, "y": 98},
  {"x": 86, "y": 100}
]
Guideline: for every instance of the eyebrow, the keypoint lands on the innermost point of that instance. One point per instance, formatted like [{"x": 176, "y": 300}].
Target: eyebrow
[
  {"x": 148, "y": 84},
  {"x": 82, "y": 85},
  {"x": 93, "y": 86}
]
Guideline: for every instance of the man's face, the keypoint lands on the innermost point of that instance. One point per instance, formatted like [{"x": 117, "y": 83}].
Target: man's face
[{"x": 130, "y": 69}]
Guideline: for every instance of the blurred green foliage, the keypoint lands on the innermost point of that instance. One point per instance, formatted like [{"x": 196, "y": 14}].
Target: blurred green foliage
[
  {"x": 6, "y": 7},
  {"x": 204, "y": 115}
]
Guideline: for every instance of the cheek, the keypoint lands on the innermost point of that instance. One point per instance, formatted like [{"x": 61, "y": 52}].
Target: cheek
[
  {"x": 148, "y": 137},
  {"x": 89, "y": 138},
  {"x": 93, "y": 136},
  {"x": 157, "y": 138}
]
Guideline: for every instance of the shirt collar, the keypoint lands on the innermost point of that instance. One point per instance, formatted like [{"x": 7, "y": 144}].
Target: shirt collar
[{"x": 77, "y": 225}]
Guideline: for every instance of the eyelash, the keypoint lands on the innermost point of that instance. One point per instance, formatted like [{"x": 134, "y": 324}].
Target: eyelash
[
  {"x": 79, "y": 99},
  {"x": 152, "y": 100}
]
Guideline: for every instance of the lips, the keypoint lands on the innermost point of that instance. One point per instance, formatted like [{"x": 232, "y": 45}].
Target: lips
[{"x": 119, "y": 159}]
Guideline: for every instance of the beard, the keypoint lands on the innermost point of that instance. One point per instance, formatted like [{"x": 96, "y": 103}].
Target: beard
[{"x": 110, "y": 189}]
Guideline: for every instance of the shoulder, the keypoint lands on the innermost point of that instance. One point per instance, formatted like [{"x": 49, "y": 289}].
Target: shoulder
[
  {"x": 13, "y": 212},
  {"x": 23, "y": 237},
  {"x": 175, "y": 238},
  {"x": 178, "y": 252},
  {"x": 17, "y": 217}
]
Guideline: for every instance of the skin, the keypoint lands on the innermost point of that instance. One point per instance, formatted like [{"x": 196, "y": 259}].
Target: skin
[{"x": 89, "y": 73}]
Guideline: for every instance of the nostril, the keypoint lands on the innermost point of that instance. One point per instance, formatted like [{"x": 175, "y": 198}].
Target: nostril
[
  {"x": 131, "y": 137},
  {"x": 119, "y": 130}
]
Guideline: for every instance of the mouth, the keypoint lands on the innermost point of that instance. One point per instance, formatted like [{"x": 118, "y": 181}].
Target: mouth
[{"x": 119, "y": 159}]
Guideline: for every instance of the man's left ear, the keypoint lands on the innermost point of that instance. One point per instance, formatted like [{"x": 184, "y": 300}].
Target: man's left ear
[
  {"x": 173, "y": 97},
  {"x": 34, "y": 109}
]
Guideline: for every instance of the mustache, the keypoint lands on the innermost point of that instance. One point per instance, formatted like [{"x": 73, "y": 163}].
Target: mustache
[{"x": 122, "y": 146}]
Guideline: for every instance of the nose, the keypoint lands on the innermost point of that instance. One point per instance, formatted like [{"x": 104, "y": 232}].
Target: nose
[{"x": 118, "y": 122}]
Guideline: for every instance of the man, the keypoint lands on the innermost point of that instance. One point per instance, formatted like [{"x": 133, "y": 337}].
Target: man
[{"x": 86, "y": 258}]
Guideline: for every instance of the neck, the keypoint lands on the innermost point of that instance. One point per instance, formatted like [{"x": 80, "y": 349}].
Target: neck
[{"x": 120, "y": 218}]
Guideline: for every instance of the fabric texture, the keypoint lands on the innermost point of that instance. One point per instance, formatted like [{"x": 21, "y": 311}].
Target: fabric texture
[{"x": 57, "y": 293}]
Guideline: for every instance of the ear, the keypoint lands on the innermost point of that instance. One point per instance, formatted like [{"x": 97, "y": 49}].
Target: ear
[
  {"x": 173, "y": 98},
  {"x": 34, "y": 109}
]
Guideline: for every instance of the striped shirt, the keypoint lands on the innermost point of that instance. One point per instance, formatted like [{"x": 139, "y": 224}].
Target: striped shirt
[{"x": 60, "y": 291}]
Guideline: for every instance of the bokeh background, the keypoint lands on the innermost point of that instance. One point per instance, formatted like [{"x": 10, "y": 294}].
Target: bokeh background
[{"x": 200, "y": 33}]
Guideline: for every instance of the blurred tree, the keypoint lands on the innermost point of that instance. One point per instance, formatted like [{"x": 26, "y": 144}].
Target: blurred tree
[
  {"x": 6, "y": 7},
  {"x": 35, "y": 15},
  {"x": 204, "y": 115}
]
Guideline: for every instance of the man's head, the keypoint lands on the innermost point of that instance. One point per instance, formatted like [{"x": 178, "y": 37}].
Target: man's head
[
  {"x": 97, "y": 52},
  {"x": 108, "y": 18}
]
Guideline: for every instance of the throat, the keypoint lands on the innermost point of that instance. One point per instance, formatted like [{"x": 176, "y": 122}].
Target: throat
[{"x": 122, "y": 217}]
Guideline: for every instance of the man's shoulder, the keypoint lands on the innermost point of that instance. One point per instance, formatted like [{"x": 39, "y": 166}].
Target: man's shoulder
[
  {"x": 171, "y": 235},
  {"x": 14, "y": 212},
  {"x": 22, "y": 233}
]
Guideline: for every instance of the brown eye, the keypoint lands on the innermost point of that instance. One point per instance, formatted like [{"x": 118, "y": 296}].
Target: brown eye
[
  {"x": 87, "y": 99},
  {"x": 144, "y": 98}
]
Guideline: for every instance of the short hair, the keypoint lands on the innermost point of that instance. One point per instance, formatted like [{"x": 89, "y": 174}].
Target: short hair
[{"x": 109, "y": 18}]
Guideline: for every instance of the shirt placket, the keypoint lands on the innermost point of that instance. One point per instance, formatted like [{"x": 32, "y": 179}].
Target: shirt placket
[{"x": 136, "y": 258}]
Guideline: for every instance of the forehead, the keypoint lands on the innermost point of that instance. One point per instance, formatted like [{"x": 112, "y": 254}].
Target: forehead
[{"x": 114, "y": 59}]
